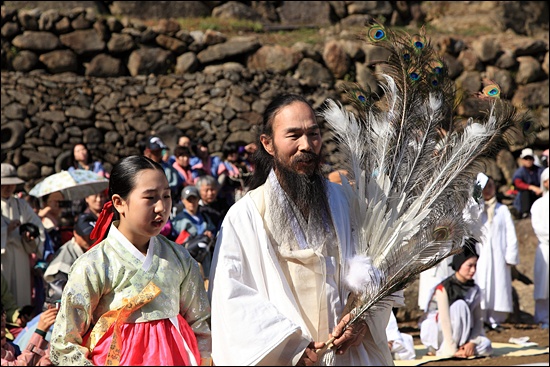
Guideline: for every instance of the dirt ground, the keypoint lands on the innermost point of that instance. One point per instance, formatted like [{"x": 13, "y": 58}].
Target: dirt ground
[{"x": 520, "y": 323}]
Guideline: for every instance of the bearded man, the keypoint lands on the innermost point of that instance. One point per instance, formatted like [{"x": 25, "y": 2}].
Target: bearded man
[{"x": 275, "y": 286}]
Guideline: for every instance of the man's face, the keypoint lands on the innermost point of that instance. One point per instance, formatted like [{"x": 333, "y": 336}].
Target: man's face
[
  {"x": 155, "y": 154},
  {"x": 489, "y": 190},
  {"x": 528, "y": 161},
  {"x": 296, "y": 142},
  {"x": 208, "y": 193}
]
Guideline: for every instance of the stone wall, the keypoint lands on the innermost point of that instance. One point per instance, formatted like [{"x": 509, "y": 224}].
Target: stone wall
[{"x": 73, "y": 76}]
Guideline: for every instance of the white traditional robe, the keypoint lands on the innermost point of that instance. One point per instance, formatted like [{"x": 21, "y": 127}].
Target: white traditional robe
[
  {"x": 539, "y": 221},
  {"x": 403, "y": 343},
  {"x": 430, "y": 278},
  {"x": 447, "y": 327},
  {"x": 256, "y": 319},
  {"x": 498, "y": 251},
  {"x": 15, "y": 254}
]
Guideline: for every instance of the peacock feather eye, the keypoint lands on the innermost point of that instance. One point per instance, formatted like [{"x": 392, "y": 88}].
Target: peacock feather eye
[
  {"x": 414, "y": 76},
  {"x": 377, "y": 34},
  {"x": 361, "y": 98},
  {"x": 407, "y": 57},
  {"x": 442, "y": 233},
  {"x": 437, "y": 66},
  {"x": 434, "y": 82},
  {"x": 418, "y": 42},
  {"x": 492, "y": 90}
]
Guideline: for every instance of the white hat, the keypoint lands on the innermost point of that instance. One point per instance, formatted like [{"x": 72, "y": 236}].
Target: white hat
[
  {"x": 527, "y": 152},
  {"x": 9, "y": 175},
  {"x": 482, "y": 179}
]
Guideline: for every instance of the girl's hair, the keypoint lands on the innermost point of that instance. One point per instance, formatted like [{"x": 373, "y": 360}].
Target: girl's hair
[
  {"x": 262, "y": 159},
  {"x": 121, "y": 182},
  {"x": 74, "y": 163},
  {"x": 229, "y": 148}
]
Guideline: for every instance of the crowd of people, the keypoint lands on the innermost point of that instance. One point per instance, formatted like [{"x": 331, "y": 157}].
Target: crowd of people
[{"x": 190, "y": 258}]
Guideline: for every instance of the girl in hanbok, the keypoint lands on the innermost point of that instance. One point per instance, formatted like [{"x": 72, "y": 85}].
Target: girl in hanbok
[
  {"x": 134, "y": 298},
  {"x": 454, "y": 325}
]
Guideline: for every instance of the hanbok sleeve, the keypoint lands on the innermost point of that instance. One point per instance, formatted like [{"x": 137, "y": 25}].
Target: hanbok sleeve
[
  {"x": 80, "y": 297},
  {"x": 195, "y": 307},
  {"x": 449, "y": 346}
]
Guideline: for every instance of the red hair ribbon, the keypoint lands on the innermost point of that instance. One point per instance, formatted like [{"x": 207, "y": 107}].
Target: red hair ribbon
[{"x": 103, "y": 223}]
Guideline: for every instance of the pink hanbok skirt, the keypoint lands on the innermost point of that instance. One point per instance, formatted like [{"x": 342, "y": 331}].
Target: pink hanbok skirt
[{"x": 154, "y": 343}]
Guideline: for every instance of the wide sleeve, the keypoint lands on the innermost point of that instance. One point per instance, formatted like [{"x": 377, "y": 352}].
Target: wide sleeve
[
  {"x": 449, "y": 346},
  {"x": 80, "y": 297},
  {"x": 247, "y": 326},
  {"x": 195, "y": 307},
  {"x": 512, "y": 251},
  {"x": 539, "y": 219}
]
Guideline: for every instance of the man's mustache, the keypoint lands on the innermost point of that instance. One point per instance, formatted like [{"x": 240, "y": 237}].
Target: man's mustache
[{"x": 306, "y": 157}]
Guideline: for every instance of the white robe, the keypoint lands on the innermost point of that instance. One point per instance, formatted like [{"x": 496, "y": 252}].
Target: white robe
[
  {"x": 403, "y": 343},
  {"x": 498, "y": 251},
  {"x": 430, "y": 278},
  {"x": 15, "y": 257},
  {"x": 539, "y": 221},
  {"x": 255, "y": 317}
]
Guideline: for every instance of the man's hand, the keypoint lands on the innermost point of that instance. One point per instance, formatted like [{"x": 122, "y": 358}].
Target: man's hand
[
  {"x": 309, "y": 358},
  {"x": 466, "y": 350},
  {"x": 349, "y": 337}
]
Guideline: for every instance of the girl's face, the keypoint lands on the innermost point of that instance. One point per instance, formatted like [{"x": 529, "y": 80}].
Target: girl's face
[
  {"x": 96, "y": 201},
  {"x": 467, "y": 269},
  {"x": 53, "y": 202},
  {"x": 146, "y": 209},
  {"x": 80, "y": 153}
]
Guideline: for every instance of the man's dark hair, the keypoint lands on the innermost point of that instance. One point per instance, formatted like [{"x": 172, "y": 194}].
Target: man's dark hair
[{"x": 262, "y": 159}]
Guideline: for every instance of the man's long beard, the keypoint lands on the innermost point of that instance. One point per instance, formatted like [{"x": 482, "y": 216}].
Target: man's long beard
[{"x": 307, "y": 192}]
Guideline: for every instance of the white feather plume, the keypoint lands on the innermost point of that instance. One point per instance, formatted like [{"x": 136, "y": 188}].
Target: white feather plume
[{"x": 411, "y": 169}]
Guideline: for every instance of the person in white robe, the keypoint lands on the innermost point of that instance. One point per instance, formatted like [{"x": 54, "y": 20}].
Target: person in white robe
[
  {"x": 454, "y": 324},
  {"x": 17, "y": 247},
  {"x": 539, "y": 221},
  {"x": 401, "y": 344},
  {"x": 276, "y": 279},
  {"x": 498, "y": 252}
]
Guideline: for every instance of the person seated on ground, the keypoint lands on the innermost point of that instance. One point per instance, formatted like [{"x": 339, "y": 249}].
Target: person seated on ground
[
  {"x": 453, "y": 326},
  {"x": 210, "y": 203},
  {"x": 401, "y": 344},
  {"x": 153, "y": 150},
  {"x": 51, "y": 214},
  {"x": 182, "y": 165},
  {"x": 232, "y": 180},
  {"x": 526, "y": 180},
  {"x": 36, "y": 352},
  {"x": 205, "y": 162},
  {"x": 57, "y": 272},
  {"x": 82, "y": 159},
  {"x": 190, "y": 223}
]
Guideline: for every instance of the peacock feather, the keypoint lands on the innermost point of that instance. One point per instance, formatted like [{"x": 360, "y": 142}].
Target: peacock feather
[{"x": 412, "y": 167}]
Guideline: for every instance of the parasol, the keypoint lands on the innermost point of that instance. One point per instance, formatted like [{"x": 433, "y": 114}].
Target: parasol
[{"x": 74, "y": 185}]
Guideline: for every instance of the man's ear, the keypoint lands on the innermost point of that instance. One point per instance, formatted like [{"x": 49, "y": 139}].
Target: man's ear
[
  {"x": 118, "y": 204},
  {"x": 267, "y": 142}
]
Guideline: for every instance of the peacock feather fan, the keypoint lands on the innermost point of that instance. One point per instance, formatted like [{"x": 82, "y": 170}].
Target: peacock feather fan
[{"x": 412, "y": 168}]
